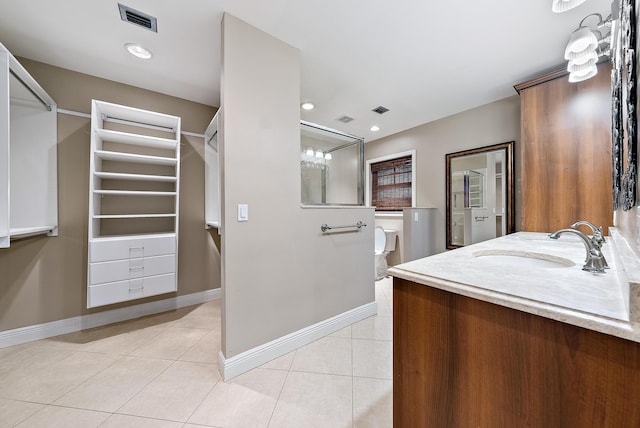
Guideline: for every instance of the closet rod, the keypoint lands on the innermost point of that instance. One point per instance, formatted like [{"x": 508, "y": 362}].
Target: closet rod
[
  {"x": 44, "y": 103},
  {"x": 140, "y": 124}
]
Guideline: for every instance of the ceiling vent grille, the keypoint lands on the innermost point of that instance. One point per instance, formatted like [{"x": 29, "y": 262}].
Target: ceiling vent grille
[
  {"x": 380, "y": 109},
  {"x": 138, "y": 18},
  {"x": 345, "y": 119}
]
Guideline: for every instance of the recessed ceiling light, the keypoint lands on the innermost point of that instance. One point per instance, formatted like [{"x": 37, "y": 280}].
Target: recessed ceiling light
[
  {"x": 307, "y": 105},
  {"x": 138, "y": 51},
  {"x": 374, "y": 128}
]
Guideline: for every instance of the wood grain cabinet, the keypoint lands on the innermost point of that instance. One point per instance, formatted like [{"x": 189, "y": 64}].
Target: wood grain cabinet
[
  {"x": 459, "y": 362},
  {"x": 133, "y": 204},
  {"x": 565, "y": 151}
]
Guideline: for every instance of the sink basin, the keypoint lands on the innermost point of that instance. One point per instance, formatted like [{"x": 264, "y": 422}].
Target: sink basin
[{"x": 522, "y": 259}]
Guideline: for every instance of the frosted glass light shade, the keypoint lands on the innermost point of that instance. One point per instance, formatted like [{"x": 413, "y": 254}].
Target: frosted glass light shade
[
  {"x": 559, "y": 6},
  {"x": 576, "y": 66},
  {"x": 580, "y": 40},
  {"x": 584, "y": 57},
  {"x": 582, "y": 75}
]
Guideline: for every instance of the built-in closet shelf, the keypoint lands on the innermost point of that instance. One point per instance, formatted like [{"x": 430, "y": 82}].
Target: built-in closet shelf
[
  {"x": 130, "y": 157},
  {"x": 133, "y": 193},
  {"x": 139, "y": 177},
  {"x": 25, "y": 232},
  {"x": 123, "y": 216},
  {"x": 136, "y": 139},
  {"x": 133, "y": 235}
]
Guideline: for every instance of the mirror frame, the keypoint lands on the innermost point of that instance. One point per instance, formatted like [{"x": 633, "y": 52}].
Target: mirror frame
[
  {"x": 508, "y": 174},
  {"x": 623, "y": 108}
]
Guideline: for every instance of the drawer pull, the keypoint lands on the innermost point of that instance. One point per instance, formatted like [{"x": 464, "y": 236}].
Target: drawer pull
[
  {"x": 136, "y": 290},
  {"x": 135, "y": 252},
  {"x": 136, "y": 269}
]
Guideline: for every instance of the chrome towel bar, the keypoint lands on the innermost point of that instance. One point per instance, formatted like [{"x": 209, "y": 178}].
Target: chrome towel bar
[{"x": 326, "y": 227}]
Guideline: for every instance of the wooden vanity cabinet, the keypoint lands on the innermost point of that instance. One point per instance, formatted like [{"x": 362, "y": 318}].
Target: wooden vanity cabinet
[
  {"x": 565, "y": 151},
  {"x": 462, "y": 362}
]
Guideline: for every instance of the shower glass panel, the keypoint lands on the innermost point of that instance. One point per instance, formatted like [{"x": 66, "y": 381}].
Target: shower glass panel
[{"x": 331, "y": 166}]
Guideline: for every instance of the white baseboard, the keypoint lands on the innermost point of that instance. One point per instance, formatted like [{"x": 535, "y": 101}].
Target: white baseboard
[
  {"x": 70, "y": 325},
  {"x": 241, "y": 363}
]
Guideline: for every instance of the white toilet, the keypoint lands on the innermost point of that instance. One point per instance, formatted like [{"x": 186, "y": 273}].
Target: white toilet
[{"x": 385, "y": 242}]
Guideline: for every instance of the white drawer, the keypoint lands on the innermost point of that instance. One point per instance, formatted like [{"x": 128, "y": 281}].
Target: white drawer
[
  {"x": 131, "y": 248},
  {"x": 121, "y": 270},
  {"x": 114, "y": 292}
]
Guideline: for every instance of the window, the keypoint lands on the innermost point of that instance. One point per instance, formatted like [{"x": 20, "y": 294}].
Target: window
[{"x": 392, "y": 183}]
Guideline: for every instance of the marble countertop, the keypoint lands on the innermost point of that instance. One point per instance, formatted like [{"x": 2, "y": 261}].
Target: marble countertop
[{"x": 609, "y": 302}]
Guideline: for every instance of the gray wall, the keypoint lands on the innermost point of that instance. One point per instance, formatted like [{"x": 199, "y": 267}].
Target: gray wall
[
  {"x": 492, "y": 123},
  {"x": 280, "y": 274}
]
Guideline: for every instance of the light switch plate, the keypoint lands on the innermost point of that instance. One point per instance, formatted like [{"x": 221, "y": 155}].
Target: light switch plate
[{"x": 243, "y": 212}]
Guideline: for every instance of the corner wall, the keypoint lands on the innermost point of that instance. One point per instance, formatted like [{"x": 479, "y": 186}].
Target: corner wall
[
  {"x": 280, "y": 273},
  {"x": 44, "y": 279},
  {"x": 493, "y": 123}
]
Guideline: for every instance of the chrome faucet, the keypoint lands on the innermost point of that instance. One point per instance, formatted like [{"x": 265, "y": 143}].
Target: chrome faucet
[
  {"x": 597, "y": 239},
  {"x": 595, "y": 261}
]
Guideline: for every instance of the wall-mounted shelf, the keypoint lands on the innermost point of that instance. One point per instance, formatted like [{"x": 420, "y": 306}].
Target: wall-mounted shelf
[
  {"x": 136, "y": 177},
  {"x": 134, "y": 158},
  {"x": 132, "y": 240},
  {"x": 28, "y": 155}
]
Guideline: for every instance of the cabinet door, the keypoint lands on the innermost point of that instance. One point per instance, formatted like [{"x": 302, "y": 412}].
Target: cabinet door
[
  {"x": 566, "y": 153},
  {"x": 132, "y": 248},
  {"x": 121, "y": 270},
  {"x": 114, "y": 292}
]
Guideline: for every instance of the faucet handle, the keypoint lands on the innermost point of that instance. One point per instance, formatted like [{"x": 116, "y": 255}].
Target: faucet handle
[{"x": 596, "y": 231}]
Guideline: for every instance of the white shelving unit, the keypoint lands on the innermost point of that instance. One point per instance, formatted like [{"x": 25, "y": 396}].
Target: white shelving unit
[
  {"x": 28, "y": 155},
  {"x": 133, "y": 204}
]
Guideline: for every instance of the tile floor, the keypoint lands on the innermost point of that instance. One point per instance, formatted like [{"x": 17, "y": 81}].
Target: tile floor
[{"x": 160, "y": 371}]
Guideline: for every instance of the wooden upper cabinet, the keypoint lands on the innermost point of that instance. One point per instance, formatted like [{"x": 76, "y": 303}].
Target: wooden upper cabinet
[{"x": 565, "y": 151}]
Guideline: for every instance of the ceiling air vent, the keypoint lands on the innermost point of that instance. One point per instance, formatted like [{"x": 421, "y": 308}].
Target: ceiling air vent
[
  {"x": 345, "y": 119},
  {"x": 138, "y": 18},
  {"x": 380, "y": 109}
]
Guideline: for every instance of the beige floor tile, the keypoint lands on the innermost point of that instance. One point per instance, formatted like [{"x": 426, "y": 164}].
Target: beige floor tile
[
  {"x": 373, "y": 358},
  {"x": 164, "y": 318},
  {"x": 205, "y": 350},
  {"x": 206, "y": 316},
  {"x": 377, "y": 327},
  {"x": 345, "y": 332},
  {"x": 314, "y": 400},
  {"x": 80, "y": 340},
  {"x": 47, "y": 382},
  {"x": 171, "y": 343},
  {"x": 126, "y": 421},
  {"x": 246, "y": 401},
  {"x": 30, "y": 355},
  {"x": 64, "y": 417},
  {"x": 126, "y": 341},
  {"x": 14, "y": 412},
  {"x": 372, "y": 403},
  {"x": 114, "y": 386},
  {"x": 176, "y": 393},
  {"x": 329, "y": 355},
  {"x": 281, "y": 363}
]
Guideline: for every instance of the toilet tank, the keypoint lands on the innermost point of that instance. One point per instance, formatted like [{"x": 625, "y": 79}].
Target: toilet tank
[{"x": 391, "y": 235}]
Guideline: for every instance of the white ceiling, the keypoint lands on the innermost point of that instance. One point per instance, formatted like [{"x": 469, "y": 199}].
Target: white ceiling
[{"x": 422, "y": 59}]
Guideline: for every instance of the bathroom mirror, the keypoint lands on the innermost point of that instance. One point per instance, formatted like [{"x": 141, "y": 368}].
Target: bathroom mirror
[
  {"x": 623, "y": 108},
  {"x": 480, "y": 194},
  {"x": 331, "y": 166}
]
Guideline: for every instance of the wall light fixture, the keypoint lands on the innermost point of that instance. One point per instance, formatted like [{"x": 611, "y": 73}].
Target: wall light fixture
[
  {"x": 559, "y": 6},
  {"x": 586, "y": 45}
]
